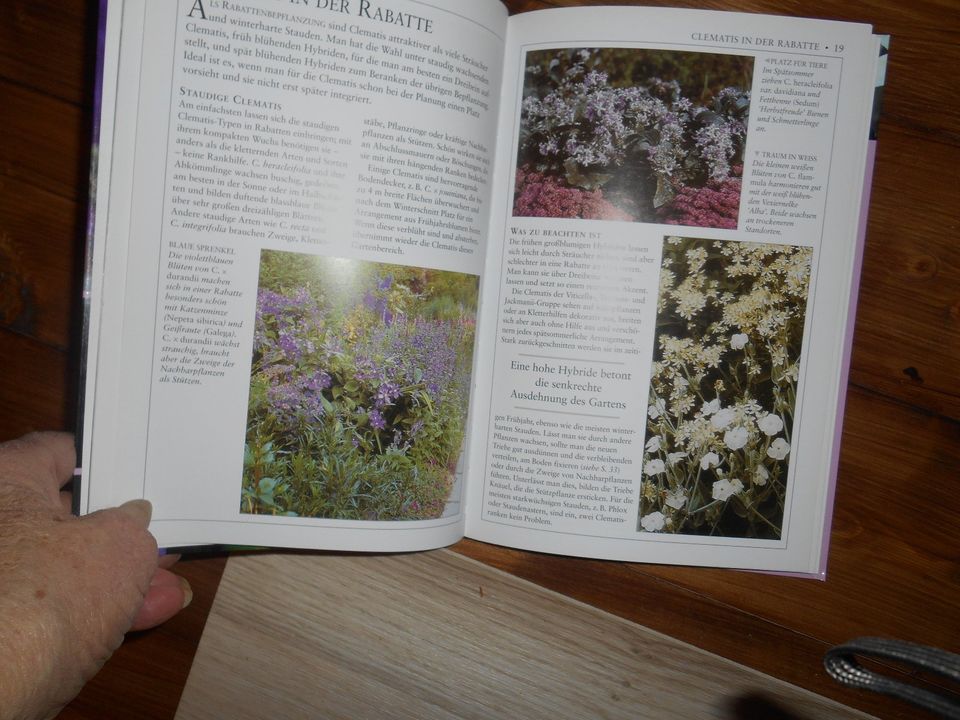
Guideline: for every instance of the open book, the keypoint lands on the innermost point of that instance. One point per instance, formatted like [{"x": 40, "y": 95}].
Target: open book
[{"x": 377, "y": 275}]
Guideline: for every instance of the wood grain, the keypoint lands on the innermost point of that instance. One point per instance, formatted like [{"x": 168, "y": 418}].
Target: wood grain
[
  {"x": 42, "y": 271},
  {"x": 35, "y": 386},
  {"x": 894, "y": 566},
  {"x": 29, "y": 30},
  {"x": 911, "y": 276},
  {"x": 434, "y": 635},
  {"x": 46, "y": 141}
]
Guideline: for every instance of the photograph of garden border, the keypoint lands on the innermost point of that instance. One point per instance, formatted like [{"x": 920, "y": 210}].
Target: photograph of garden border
[
  {"x": 359, "y": 387},
  {"x": 653, "y": 136},
  {"x": 729, "y": 331}
]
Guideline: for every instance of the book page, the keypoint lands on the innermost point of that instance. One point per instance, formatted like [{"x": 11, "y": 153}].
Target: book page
[
  {"x": 676, "y": 254},
  {"x": 290, "y": 232}
]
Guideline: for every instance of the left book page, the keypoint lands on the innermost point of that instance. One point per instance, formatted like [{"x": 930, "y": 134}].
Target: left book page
[{"x": 289, "y": 233}]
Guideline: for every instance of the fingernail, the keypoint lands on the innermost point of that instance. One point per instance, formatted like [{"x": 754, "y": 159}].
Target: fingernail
[
  {"x": 187, "y": 592},
  {"x": 138, "y": 510}
]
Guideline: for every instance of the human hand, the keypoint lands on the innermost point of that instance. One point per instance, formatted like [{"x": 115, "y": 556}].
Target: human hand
[{"x": 69, "y": 587}]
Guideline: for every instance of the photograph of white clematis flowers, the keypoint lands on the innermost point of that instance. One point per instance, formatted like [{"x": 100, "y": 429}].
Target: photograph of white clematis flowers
[{"x": 729, "y": 331}]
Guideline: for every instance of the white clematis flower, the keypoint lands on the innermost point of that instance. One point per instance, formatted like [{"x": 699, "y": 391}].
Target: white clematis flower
[
  {"x": 653, "y": 522},
  {"x": 676, "y": 500},
  {"x": 778, "y": 449},
  {"x": 735, "y": 438},
  {"x": 760, "y": 476},
  {"x": 674, "y": 458},
  {"x": 722, "y": 418},
  {"x": 657, "y": 409},
  {"x": 770, "y": 424},
  {"x": 725, "y": 489},
  {"x": 654, "y": 467}
]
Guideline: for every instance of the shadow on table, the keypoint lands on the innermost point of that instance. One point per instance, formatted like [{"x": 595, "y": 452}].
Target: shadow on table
[{"x": 759, "y": 707}]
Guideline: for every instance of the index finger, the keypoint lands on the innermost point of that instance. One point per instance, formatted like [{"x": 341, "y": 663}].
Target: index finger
[{"x": 43, "y": 461}]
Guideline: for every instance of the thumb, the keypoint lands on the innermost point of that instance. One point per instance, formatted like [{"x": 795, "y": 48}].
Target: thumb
[
  {"x": 166, "y": 593},
  {"x": 120, "y": 560},
  {"x": 137, "y": 511}
]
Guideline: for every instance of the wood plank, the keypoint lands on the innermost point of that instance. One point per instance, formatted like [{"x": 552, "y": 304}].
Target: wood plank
[
  {"x": 29, "y": 28},
  {"x": 907, "y": 342},
  {"x": 46, "y": 141},
  {"x": 433, "y": 635},
  {"x": 679, "y": 612},
  {"x": 36, "y": 387},
  {"x": 922, "y": 52},
  {"x": 881, "y": 530},
  {"x": 668, "y": 605},
  {"x": 41, "y": 243}
]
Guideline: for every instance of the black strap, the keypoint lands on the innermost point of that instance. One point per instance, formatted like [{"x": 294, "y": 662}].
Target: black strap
[{"x": 842, "y": 665}]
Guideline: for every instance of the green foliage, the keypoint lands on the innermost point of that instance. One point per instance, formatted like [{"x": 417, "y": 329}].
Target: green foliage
[{"x": 358, "y": 390}]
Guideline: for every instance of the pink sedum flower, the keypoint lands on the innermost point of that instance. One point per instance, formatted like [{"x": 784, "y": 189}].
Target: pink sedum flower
[
  {"x": 717, "y": 205},
  {"x": 539, "y": 195}
]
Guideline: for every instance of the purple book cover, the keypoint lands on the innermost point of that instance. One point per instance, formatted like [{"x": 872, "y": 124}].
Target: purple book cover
[{"x": 854, "y": 292}]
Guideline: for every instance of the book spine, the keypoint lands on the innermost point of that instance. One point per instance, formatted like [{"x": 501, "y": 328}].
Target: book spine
[
  {"x": 847, "y": 351},
  {"x": 88, "y": 245}
]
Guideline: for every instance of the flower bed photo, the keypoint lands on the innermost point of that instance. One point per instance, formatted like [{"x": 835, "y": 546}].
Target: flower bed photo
[
  {"x": 730, "y": 319},
  {"x": 633, "y": 135},
  {"x": 358, "y": 389}
]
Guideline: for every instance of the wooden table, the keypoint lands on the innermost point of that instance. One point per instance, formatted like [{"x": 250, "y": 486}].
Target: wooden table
[
  {"x": 895, "y": 553},
  {"x": 436, "y": 636}
]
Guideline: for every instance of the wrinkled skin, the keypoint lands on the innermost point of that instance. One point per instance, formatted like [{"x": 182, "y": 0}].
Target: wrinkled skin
[{"x": 70, "y": 588}]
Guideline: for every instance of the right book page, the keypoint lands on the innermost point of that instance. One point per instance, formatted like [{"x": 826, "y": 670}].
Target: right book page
[{"x": 673, "y": 253}]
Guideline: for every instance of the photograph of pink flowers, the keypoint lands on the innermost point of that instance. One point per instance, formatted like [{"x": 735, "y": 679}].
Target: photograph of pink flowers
[
  {"x": 651, "y": 136},
  {"x": 358, "y": 388},
  {"x": 729, "y": 331}
]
